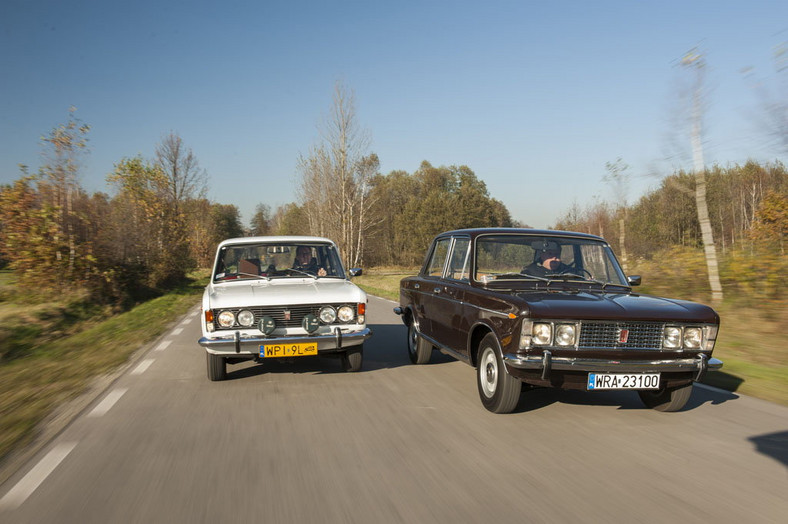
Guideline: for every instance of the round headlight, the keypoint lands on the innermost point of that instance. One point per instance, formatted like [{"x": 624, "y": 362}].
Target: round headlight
[
  {"x": 246, "y": 318},
  {"x": 671, "y": 338},
  {"x": 327, "y": 315},
  {"x": 565, "y": 335},
  {"x": 542, "y": 334},
  {"x": 226, "y": 319},
  {"x": 692, "y": 337},
  {"x": 345, "y": 314}
]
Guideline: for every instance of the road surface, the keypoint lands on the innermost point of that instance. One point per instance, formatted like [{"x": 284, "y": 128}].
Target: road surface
[{"x": 306, "y": 442}]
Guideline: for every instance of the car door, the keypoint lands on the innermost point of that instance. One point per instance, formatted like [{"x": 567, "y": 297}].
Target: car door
[
  {"x": 428, "y": 289},
  {"x": 448, "y": 295}
]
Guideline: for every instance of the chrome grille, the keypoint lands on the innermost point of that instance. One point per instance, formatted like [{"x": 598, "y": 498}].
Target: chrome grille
[
  {"x": 297, "y": 313},
  {"x": 606, "y": 335}
]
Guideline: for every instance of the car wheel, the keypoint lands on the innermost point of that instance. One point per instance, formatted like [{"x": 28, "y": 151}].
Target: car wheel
[
  {"x": 217, "y": 367},
  {"x": 353, "y": 358},
  {"x": 666, "y": 399},
  {"x": 498, "y": 390},
  {"x": 419, "y": 350}
]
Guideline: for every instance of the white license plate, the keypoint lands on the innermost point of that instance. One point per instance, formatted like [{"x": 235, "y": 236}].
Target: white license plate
[{"x": 623, "y": 381}]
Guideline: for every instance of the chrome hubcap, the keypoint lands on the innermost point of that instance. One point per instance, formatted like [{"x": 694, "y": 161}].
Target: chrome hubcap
[{"x": 488, "y": 372}]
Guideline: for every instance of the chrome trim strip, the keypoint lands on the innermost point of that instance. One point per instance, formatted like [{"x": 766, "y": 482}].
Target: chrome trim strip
[{"x": 537, "y": 362}]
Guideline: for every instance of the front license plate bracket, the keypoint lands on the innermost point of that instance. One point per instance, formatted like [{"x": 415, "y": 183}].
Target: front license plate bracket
[
  {"x": 622, "y": 381},
  {"x": 288, "y": 350}
]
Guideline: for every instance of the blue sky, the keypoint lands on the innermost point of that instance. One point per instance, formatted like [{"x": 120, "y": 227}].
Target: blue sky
[{"x": 534, "y": 97}]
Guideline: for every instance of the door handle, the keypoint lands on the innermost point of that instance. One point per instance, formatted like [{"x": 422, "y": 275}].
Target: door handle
[{"x": 437, "y": 290}]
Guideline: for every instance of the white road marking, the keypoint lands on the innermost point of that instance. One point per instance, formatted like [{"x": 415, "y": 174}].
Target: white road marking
[
  {"x": 25, "y": 487},
  {"x": 177, "y": 331},
  {"x": 186, "y": 320},
  {"x": 139, "y": 370},
  {"x": 163, "y": 345},
  {"x": 106, "y": 404}
]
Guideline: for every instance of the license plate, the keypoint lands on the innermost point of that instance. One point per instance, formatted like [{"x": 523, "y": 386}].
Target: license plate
[
  {"x": 288, "y": 350},
  {"x": 623, "y": 381}
]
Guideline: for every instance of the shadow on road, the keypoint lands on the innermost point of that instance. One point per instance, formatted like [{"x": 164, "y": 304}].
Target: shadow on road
[
  {"x": 537, "y": 398},
  {"x": 774, "y": 445}
]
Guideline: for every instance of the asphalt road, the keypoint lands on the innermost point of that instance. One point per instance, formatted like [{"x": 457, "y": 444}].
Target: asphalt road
[{"x": 306, "y": 442}]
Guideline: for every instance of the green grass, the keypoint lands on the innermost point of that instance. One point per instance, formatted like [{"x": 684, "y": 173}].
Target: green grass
[{"x": 51, "y": 373}]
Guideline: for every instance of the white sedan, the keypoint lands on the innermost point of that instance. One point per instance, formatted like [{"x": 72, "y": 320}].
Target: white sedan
[{"x": 281, "y": 297}]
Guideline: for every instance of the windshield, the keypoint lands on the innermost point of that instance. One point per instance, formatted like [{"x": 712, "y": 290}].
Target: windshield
[
  {"x": 546, "y": 258},
  {"x": 280, "y": 260}
]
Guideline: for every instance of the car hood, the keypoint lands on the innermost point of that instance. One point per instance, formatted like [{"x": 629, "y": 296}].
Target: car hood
[
  {"x": 613, "y": 306},
  {"x": 283, "y": 292}
]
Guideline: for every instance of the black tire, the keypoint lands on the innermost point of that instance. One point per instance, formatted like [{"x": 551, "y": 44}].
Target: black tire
[
  {"x": 498, "y": 390},
  {"x": 666, "y": 399},
  {"x": 419, "y": 350},
  {"x": 217, "y": 367},
  {"x": 353, "y": 359}
]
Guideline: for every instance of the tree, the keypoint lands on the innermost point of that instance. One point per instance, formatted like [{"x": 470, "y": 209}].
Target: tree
[
  {"x": 695, "y": 61},
  {"x": 260, "y": 225},
  {"x": 335, "y": 179},
  {"x": 618, "y": 177}
]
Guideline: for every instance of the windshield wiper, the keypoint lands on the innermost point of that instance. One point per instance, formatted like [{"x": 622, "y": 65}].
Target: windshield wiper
[{"x": 302, "y": 272}]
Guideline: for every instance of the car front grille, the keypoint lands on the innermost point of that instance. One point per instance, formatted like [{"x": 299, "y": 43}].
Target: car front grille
[
  {"x": 284, "y": 316},
  {"x": 608, "y": 335}
]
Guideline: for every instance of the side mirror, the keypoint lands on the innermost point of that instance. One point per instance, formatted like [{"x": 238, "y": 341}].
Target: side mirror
[
  {"x": 355, "y": 272},
  {"x": 634, "y": 280}
]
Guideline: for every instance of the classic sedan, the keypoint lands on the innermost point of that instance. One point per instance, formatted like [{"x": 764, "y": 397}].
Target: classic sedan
[
  {"x": 281, "y": 298},
  {"x": 553, "y": 309}
]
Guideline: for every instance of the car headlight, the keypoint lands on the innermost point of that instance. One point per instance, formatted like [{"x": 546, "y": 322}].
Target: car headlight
[
  {"x": 345, "y": 314},
  {"x": 327, "y": 315},
  {"x": 226, "y": 319},
  {"x": 246, "y": 318},
  {"x": 542, "y": 334},
  {"x": 671, "y": 337},
  {"x": 693, "y": 337},
  {"x": 565, "y": 335}
]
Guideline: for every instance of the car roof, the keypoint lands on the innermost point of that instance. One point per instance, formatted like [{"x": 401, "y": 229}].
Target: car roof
[
  {"x": 289, "y": 239},
  {"x": 474, "y": 232}
]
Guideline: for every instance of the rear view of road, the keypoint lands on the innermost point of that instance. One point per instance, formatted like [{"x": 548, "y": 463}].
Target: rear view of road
[{"x": 307, "y": 442}]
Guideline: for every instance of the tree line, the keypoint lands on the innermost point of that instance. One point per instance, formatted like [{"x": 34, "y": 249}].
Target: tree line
[
  {"x": 158, "y": 226},
  {"x": 748, "y": 215}
]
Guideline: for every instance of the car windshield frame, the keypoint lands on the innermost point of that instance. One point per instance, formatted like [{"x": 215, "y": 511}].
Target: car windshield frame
[
  {"x": 507, "y": 257},
  {"x": 275, "y": 260}
]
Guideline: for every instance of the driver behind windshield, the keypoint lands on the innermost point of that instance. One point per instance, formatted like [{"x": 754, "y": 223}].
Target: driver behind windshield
[
  {"x": 547, "y": 262},
  {"x": 304, "y": 261}
]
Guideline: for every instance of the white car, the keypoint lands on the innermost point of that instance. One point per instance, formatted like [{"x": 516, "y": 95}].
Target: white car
[{"x": 280, "y": 298}]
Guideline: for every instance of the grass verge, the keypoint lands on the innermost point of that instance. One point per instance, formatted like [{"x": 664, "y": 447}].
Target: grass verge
[{"x": 49, "y": 374}]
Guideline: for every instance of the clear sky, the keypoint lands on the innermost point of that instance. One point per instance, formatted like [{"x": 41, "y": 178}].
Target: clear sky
[{"x": 534, "y": 96}]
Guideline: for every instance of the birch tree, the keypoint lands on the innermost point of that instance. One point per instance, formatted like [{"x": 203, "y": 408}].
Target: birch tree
[
  {"x": 696, "y": 63},
  {"x": 334, "y": 179}
]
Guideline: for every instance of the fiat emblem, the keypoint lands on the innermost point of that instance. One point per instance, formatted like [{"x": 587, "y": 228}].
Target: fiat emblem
[
  {"x": 287, "y": 315},
  {"x": 623, "y": 335}
]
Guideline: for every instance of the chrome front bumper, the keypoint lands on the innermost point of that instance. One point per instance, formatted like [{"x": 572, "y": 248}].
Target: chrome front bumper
[
  {"x": 235, "y": 343},
  {"x": 546, "y": 363}
]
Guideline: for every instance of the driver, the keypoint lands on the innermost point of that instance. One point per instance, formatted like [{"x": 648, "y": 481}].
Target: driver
[
  {"x": 304, "y": 261},
  {"x": 548, "y": 261}
]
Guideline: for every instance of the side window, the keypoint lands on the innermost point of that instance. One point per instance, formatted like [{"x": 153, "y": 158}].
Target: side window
[
  {"x": 438, "y": 260},
  {"x": 459, "y": 260}
]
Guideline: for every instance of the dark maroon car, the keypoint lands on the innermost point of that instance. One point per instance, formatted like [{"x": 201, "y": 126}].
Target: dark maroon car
[{"x": 554, "y": 309}]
